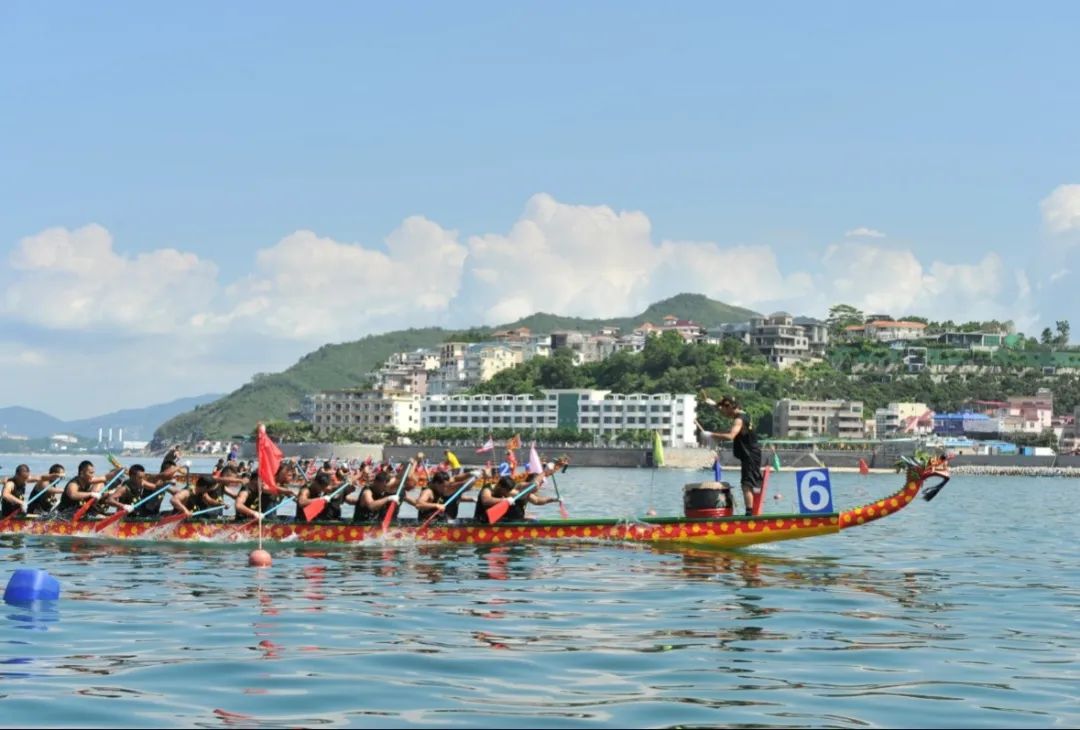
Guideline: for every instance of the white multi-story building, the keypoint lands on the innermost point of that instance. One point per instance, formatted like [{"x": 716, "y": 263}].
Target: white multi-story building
[
  {"x": 779, "y": 339},
  {"x": 596, "y": 411},
  {"x": 838, "y": 418},
  {"x": 903, "y": 418},
  {"x": 366, "y": 409},
  {"x": 887, "y": 330},
  {"x": 483, "y": 360}
]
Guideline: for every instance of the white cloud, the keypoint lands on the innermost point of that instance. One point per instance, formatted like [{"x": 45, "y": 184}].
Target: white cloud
[
  {"x": 72, "y": 279},
  {"x": 1061, "y": 209},
  {"x": 306, "y": 289},
  {"x": 864, "y": 232},
  {"x": 878, "y": 279},
  {"x": 590, "y": 260},
  {"x": 317, "y": 289},
  {"x": 1059, "y": 274}
]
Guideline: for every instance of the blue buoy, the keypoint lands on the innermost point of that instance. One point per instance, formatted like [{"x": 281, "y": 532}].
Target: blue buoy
[{"x": 28, "y": 585}]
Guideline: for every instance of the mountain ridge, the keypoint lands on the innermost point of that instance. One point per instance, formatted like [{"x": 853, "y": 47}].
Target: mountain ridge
[{"x": 138, "y": 423}]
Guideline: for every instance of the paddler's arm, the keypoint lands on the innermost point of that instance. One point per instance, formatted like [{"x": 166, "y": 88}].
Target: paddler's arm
[
  {"x": 729, "y": 435},
  {"x": 113, "y": 499},
  {"x": 304, "y": 498},
  {"x": 179, "y": 502},
  {"x": 538, "y": 500},
  {"x": 77, "y": 495},
  {"x": 241, "y": 505},
  {"x": 9, "y": 495},
  {"x": 487, "y": 498},
  {"x": 423, "y": 501}
]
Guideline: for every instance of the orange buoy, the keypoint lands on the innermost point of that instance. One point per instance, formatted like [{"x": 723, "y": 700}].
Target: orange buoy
[{"x": 260, "y": 559}]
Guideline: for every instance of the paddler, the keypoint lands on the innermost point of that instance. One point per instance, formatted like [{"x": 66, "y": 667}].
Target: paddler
[
  {"x": 248, "y": 504},
  {"x": 491, "y": 495},
  {"x": 205, "y": 493},
  {"x": 432, "y": 498},
  {"x": 373, "y": 499},
  {"x": 15, "y": 493},
  {"x": 745, "y": 446},
  {"x": 134, "y": 489},
  {"x": 319, "y": 488},
  {"x": 80, "y": 489},
  {"x": 43, "y": 504}
]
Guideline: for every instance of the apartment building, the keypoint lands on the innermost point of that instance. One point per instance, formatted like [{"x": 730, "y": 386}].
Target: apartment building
[
  {"x": 903, "y": 419},
  {"x": 597, "y": 411},
  {"x": 886, "y": 330},
  {"x": 363, "y": 409},
  {"x": 779, "y": 339},
  {"x": 836, "y": 418}
]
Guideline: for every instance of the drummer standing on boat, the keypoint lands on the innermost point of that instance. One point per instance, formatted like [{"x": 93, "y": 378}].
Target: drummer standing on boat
[{"x": 745, "y": 446}]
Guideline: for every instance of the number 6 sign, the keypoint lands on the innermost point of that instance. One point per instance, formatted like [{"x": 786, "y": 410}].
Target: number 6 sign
[{"x": 814, "y": 490}]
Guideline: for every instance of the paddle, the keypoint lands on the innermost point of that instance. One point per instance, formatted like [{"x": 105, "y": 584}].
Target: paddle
[
  {"x": 26, "y": 507},
  {"x": 121, "y": 512},
  {"x": 562, "y": 507},
  {"x": 392, "y": 507},
  {"x": 180, "y": 517},
  {"x": 457, "y": 494},
  {"x": 265, "y": 514},
  {"x": 93, "y": 498},
  {"x": 496, "y": 513},
  {"x": 315, "y": 507}
]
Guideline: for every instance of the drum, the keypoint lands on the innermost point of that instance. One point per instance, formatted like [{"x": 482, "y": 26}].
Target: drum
[{"x": 708, "y": 499}]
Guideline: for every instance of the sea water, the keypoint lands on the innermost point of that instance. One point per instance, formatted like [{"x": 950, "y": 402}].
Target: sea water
[{"x": 960, "y": 612}]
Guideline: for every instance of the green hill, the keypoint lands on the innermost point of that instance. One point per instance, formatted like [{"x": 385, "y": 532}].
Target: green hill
[
  {"x": 697, "y": 307},
  {"x": 272, "y": 397}
]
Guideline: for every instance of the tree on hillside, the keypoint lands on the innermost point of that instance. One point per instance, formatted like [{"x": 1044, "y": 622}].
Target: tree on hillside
[
  {"x": 662, "y": 352},
  {"x": 1062, "y": 338},
  {"x": 559, "y": 371},
  {"x": 1047, "y": 337},
  {"x": 841, "y": 316}
]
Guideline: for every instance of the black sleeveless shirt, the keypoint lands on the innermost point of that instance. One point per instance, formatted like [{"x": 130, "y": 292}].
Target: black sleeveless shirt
[
  {"x": 746, "y": 445},
  {"x": 366, "y": 515},
  {"x": 450, "y": 513},
  {"x": 516, "y": 513},
  {"x": 7, "y": 507}
]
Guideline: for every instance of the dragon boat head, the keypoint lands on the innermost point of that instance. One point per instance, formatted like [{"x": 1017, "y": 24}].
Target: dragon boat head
[{"x": 922, "y": 466}]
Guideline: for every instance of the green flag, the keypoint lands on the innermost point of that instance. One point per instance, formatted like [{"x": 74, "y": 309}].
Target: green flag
[
  {"x": 776, "y": 461},
  {"x": 657, "y": 450}
]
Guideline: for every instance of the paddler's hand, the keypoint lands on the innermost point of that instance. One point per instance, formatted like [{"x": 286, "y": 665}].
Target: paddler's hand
[
  {"x": 509, "y": 500},
  {"x": 393, "y": 498},
  {"x": 129, "y": 508},
  {"x": 259, "y": 516}
]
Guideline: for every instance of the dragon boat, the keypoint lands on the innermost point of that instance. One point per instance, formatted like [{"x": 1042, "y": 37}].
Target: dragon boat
[{"x": 724, "y": 531}]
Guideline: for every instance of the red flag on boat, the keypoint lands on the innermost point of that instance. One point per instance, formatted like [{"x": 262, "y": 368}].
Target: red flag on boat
[
  {"x": 269, "y": 459},
  {"x": 515, "y": 442},
  {"x": 864, "y": 468},
  {"x": 489, "y": 445}
]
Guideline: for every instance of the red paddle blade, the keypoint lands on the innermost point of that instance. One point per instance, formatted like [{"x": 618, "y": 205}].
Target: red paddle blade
[
  {"x": 563, "y": 512},
  {"x": 109, "y": 520},
  {"x": 494, "y": 514},
  {"x": 178, "y": 517},
  {"x": 389, "y": 515},
  {"x": 83, "y": 510},
  {"x": 314, "y": 509}
]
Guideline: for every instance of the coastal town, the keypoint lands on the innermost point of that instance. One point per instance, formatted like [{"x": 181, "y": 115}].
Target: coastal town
[{"x": 445, "y": 392}]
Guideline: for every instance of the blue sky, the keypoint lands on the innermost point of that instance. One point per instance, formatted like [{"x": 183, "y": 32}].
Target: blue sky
[{"x": 658, "y": 138}]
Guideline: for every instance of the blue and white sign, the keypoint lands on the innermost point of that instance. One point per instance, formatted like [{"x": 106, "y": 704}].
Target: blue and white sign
[{"x": 814, "y": 490}]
